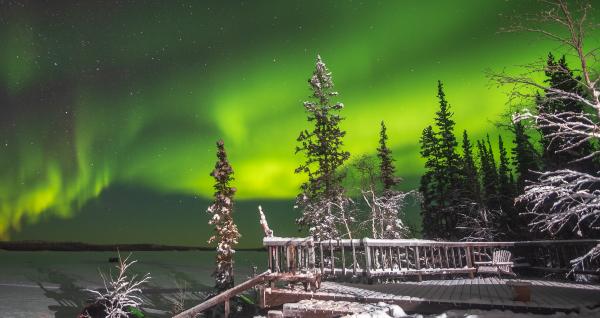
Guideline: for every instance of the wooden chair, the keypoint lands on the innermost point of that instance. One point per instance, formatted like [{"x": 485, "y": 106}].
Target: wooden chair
[{"x": 501, "y": 263}]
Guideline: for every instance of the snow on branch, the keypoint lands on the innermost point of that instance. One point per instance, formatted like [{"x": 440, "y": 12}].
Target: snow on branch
[
  {"x": 579, "y": 263},
  {"x": 121, "y": 292},
  {"x": 387, "y": 212},
  {"x": 323, "y": 216},
  {"x": 479, "y": 224},
  {"x": 566, "y": 130},
  {"x": 563, "y": 199}
]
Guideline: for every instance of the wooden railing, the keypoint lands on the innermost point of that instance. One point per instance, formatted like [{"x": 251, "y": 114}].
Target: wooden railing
[{"x": 374, "y": 258}]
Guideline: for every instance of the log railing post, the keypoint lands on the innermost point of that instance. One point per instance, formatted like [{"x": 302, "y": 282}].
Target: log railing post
[
  {"x": 227, "y": 308},
  {"x": 332, "y": 265},
  {"x": 418, "y": 263},
  {"x": 322, "y": 258},
  {"x": 469, "y": 261},
  {"x": 353, "y": 257},
  {"x": 367, "y": 257},
  {"x": 311, "y": 254},
  {"x": 343, "y": 259}
]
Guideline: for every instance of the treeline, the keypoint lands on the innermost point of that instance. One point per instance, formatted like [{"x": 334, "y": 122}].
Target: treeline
[{"x": 470, "y": 190}]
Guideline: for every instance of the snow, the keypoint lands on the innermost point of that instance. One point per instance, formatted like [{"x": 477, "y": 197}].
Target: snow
[{"x": 388, "y": 311}]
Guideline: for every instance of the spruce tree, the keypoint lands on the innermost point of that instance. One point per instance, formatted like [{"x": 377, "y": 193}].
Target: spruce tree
[
  {"x": 469, "y": 171},
  {"x": 226, "y": 232},
  {"x": 489, "y": 175},
  {"x": 322, "y": 196},
  {"x": 386, "y": 162},
  {"x": 442, "y": 180},
  {"x": 429, "y": 184},
  {"x": 505, "y": 187},
  {"x": 525, "y": 157},
  {"x": 559, "y": 76},
  {"x": 506, "y": 193}
]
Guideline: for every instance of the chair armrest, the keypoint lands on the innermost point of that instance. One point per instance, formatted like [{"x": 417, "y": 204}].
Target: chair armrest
[
  {"x": 503, "y": 263},
  {"x": 483, "y": 263}
]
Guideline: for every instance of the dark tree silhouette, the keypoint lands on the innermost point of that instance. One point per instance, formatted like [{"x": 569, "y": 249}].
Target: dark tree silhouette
[
  {"x": 469, "y": 171},
  {"x": 440, "y": 185},
  {"x": 559, "y": 76},
  {"x": 489, "y": 174},
  {"x": 525, "y": 157},
  {"x": 386, "y": 162},
  {"x": 428, "y": 186}
]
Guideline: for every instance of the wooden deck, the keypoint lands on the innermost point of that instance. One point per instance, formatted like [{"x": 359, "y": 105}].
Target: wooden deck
[{"x": 436, "y": 295}]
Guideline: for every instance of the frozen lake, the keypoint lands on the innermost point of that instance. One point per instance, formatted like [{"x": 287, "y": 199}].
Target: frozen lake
[{"x": 51, "y": 284}]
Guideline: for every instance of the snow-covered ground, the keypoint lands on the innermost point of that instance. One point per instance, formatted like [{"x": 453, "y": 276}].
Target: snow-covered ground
[
  {"x": 52, "y": 284},
  {"x": 393, "y": 312}
]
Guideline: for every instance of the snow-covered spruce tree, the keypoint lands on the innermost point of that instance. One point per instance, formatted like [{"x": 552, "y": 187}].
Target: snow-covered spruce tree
[
  {"x": 391, "y": 201},
  {"x": 563, "y": 199},
  {"x": 323, "y": 201},
  {"x": 226, "y": 231}
]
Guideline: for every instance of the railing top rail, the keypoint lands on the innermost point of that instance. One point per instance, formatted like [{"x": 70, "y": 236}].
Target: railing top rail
[
  {"x": 301, "y": 241},
  {"x": 283, "y": 241}
]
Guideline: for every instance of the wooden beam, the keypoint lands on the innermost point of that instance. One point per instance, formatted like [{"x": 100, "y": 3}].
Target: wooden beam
[{"x": 224, "y": 296}]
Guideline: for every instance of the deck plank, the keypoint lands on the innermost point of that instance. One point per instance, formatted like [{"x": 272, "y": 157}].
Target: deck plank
[{"x": 489, "y": 291}]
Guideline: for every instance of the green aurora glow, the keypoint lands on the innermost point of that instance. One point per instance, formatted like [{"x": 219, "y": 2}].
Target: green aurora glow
[{"x": 97, "y": 96}]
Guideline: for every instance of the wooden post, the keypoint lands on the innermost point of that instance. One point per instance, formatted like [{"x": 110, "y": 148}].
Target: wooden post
[
  {"x": 227, "y": 309},
  {"x": 332, "y": 266},
  {"x": 288, "y": 255},
  {"x": 311, "y": 254},
  {"x": 353, "y": 257},
  {"x": 277, "y": 268},
  {"x": 418, "y": 262},
  {"x": 343, "y": 259},
  {"x": 270, "y": 249},
  {"x": 322, "y": 261},
  {"x": 469, "y": 261},
  {"x": 447, "y": 259},
  {"x": 367, "y": 257},
  {"x": 407, "y": 259}
]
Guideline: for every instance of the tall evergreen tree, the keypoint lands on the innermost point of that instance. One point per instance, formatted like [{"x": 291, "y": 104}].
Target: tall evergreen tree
[
  {"x": 469, "y": 171},
  {"x": 505, "y": 187},
  {"x": 442, "y": 176},
  {"x": 429, "y": 183},
  {"x": 322, "y": 197},
  {"x": 559, "y": 76},
  {"x": 489, "y": 175},
  {"x": 386, "y": 162},
  {"x": 508, "y": 220},
  {"x": 525, "y": 157},
  {"x": 226, "y": 232}
]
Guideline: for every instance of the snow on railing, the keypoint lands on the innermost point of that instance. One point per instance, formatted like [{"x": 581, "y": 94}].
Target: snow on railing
[{"x": 389, "y": 258}]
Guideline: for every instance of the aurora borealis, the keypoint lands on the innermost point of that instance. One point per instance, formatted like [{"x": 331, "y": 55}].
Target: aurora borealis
[{"x": 105, "y": 102}]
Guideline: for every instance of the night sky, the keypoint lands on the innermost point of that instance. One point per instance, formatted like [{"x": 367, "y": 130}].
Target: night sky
[{"x": 110, "y": 110}]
